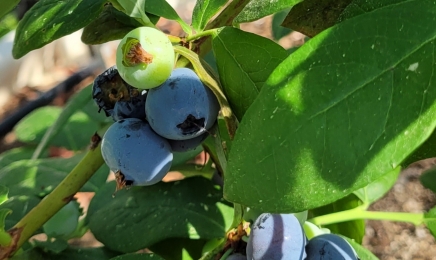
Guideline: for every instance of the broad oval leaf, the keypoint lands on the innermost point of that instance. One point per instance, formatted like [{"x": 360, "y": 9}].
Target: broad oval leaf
[
  {"x": 139, "y": 8},
  {"x": 77, "y": 128},
  {"x": 3, "y": 194},
  {"x": 203, "y": 11},
  {"x": 142, "y": 216},
  {"x": 110, "y": 25},
  {"x": 20, "y": 205},
  {"x": 342, "y": 110},
  {"x": 245, "y": 61},
  {"x": 70, "y": 253},
  {"x": 311, "y": 17},
  {"x": 41, "y": 176},
  {"x": 257, "y": 9},
  {"x": 430, "y": 221},
  {"x": 377, "y": 189},
  {"x": 428, "y": 179},
  {"x": 425, "y": 151},
  {"x": 361, "y": 251},
  {"x": 7, "y": 6},
  {"x": 138, "y": 256},
  {"x": 49, "y": 20}
]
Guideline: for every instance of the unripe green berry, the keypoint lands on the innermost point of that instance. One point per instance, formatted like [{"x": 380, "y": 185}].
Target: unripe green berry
[{"x": 145, "y": 58}]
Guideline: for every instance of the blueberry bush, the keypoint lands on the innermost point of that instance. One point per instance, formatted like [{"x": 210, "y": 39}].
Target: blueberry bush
[{"x": 301, "y": 141}]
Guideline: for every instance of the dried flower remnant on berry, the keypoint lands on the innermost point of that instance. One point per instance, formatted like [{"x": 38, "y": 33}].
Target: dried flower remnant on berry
[{"x": 134, "y": 54}]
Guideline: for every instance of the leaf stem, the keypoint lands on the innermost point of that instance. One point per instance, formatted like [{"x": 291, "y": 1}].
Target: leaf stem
[
  {"x": 54, "y": 201},
  {"x": 361, "y": 213},
  {"x": 206, "y": 33}
]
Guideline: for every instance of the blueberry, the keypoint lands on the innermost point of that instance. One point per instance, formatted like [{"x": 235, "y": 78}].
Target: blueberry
[
  {"x": 135, "y": 153},
  {"x": 133, "y": 108},
  {"x": 145, "y": 57},
  {"x": 181, "y": 108},
  {"x": 108, "y": 88},
  {"x": 187, "y": 145},
  {"x": 330, "y": 246},
  {"x": 276, "y": 237}
]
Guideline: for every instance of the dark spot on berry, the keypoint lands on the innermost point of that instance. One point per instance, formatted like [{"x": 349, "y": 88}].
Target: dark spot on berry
[
  {"x": 121, "y": 121},
  {"x": 127, "y": 136},
  {"x": 174, "y": 83},
  {"x": 191, "y": 125}
]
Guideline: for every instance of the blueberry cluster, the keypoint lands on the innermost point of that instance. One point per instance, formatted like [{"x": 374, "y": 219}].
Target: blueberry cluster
[
  {"x": 152, "y": 124},
  {"x": 281, "y": 236}
]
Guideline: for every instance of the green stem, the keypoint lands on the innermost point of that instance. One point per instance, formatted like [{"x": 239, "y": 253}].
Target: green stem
[
  {"x": 60, "y": 196},
  {"x": 225, "y": 18},
  {"x": 226, "y": 254},
  {"x": 209, "y": 81},
  {"x": 206, "y": 33},
  {"x": 360, "y": 213}
]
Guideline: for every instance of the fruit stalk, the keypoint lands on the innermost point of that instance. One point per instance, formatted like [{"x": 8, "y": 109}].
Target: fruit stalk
[
  {"x": 54, "y": 201},
  {"x": 360, "y": 213}
]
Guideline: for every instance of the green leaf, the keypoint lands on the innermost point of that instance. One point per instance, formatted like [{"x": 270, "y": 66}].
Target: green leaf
[
  {"x": 20, "y": 206},
  {"x": 338, "y": 114},
  {"x": 377, "y": 189},
  {"x": 7, "y": 24},
  {"x": 279, "y": 31},
  {"x": 83, "y": 253},
  {"x": 110, "y": 25},
  {"x": 362, "y": 252},
  {"x": 425, "y": 151},
  {"x": 203, "y": 11},
  {"x": 17, "y": 154},
  {"x": 49, "y": 20},
  {"x": 182, "y": 158},
  {"x": 78, "y": 102},
  {"x": 140, "y": 8},
  {"x": 311, "y": 17},
  {"x": 76, "y": 132},
  {"x": 3, "y": 194},
  {"x": 181, "y": 248},
  {"x": 140, "y": 256},
  {"x": 428, "y": 178},
  {"x": 5, "y": 237},
  {"x": 91, "y": 109},
  {"x": 430, "y": 221},
  {"x": 142, "y": 216},
  {"x": 257, "y": 9},
  {"x": 39, "y": 177},
  {"x": 358, "y": 7},
  {"x": 6, "y": 6},
  {"x": 353, "y": 229},
  {"x": 64, "y": 222},
  {"x": 242, "y": 74},
  {"x": 56, "y": 246}
]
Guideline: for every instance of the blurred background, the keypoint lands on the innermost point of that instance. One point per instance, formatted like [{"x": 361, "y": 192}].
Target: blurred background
[{"x": 25, "y": 80}]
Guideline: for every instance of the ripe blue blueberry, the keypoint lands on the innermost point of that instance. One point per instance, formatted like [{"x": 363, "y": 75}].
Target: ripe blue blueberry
[
  {"x": 133, "y": 151},
  {"x": 330, "y": 246},
  {"x": 133, "y": 108},
  {"x": 276, "y": 237},
  {"x": 187, "y": 145},
  {"x": 181, "y": 108}
]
